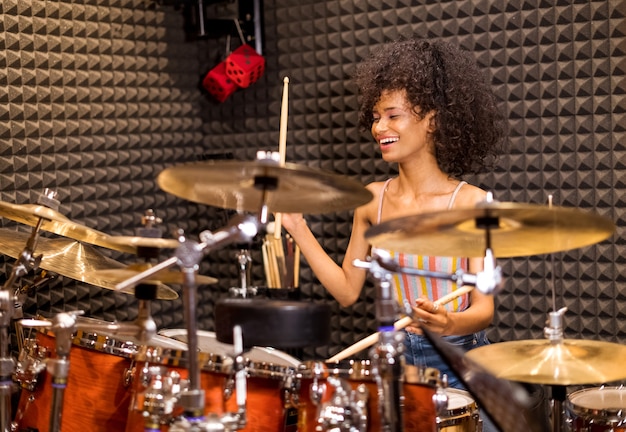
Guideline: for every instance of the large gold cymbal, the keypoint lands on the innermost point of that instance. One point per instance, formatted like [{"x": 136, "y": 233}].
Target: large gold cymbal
[
  {"x": 72, "y": 259},
  {"x": 569, "y": 362},
  {"x": 520, "y": 230},
  {"x": 166, "y": 276},
  {"x": 238, "y": 185}
]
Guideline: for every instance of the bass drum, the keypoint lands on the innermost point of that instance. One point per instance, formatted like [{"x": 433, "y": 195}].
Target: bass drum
[{"x": 271, "y": 386}]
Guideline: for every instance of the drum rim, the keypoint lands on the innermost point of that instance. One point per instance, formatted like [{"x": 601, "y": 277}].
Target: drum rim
[{"x": 613, "y": 416}]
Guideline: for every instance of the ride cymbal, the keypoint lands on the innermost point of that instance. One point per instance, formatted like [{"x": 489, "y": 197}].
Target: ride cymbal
[
  {"x": 165, "y": 276},
  {"x": 247, "y": 186},
  {"x": 514, "y": 230},
  {"x": 74, "y": 260},
  {"x": 569, "y": 362}
]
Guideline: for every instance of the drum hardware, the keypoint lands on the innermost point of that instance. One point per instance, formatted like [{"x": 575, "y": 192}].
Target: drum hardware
[
  {"x": 63, "y": 325},
  {"x": 160, "y": 395},
  {"x": 9, "y": 306},
  {"x": 346, "y": 410},
  {"x": 242, "y": 228},
  {"x": 507, "y": 403},
  {"x": 554, "y": 361},
  {"x": 386, "y": 354},
  {"x": 513, "y": 230},
  {"x": 244, "y": 259}
]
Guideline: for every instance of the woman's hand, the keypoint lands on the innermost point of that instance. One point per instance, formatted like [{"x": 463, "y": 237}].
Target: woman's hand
[
  {"x": 430, "y": 315},
  {"x": 291, "y": 221}
]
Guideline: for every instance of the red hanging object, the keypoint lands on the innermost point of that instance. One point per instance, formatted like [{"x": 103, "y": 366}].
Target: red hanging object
[
  {"x": 218, "y": 82},
  {"x": 245, "y": 66}
]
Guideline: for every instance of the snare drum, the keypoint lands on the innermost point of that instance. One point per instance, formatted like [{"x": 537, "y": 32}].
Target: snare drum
[
  {"x": 462, "y": 414},
  {"x": 96, "y": 398},
  {"x": 596, "y": 410},
  {"x": 270, "y": 385},
  {"x": 418, "y": 389}
]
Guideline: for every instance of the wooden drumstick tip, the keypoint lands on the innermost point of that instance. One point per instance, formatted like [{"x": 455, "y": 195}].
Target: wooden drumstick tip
[{"x": 286, "y": 80}]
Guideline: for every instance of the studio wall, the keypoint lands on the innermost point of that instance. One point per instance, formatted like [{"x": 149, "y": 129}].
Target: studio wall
[{"x": 98, "y": 97}]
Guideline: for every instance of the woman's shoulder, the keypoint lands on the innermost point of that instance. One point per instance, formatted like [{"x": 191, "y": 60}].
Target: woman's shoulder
[{"x": 469, "y": 195}]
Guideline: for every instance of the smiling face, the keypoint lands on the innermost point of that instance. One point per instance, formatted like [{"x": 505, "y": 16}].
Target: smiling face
[{"x": 400, "y": 132}]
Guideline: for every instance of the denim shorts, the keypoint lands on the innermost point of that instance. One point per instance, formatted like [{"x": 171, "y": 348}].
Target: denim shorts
[{"x": 419, "y": 351}]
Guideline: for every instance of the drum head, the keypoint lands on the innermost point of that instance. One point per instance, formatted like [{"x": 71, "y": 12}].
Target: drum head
[
  {"x": 208, "y": 343},
  {"x": 607, "y": 399}
]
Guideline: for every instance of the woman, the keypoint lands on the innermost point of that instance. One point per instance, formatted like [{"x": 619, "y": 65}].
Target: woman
[{"x": 431, "y": 112}]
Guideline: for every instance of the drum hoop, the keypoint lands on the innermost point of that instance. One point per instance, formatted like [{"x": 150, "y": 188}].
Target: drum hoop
[
  {"x": 469, "y": 408},
  {"x": 611, "y": 416}
]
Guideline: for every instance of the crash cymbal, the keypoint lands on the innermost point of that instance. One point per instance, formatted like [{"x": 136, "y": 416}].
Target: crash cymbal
[
  {"x": 569, "y": 362},
  {"x": 52, "y": 221},
  {"x": 516, "y": 230},
  {"x": 72, "y": 259},
  {"x": 57, "y": 223},
  {"x": 239, "y": 186},
  {"x": 165, "y": 276}
]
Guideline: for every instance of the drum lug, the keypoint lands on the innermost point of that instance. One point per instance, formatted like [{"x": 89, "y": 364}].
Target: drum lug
[
  {"x": 129, "y": 372},
  {"x": 440, "y": 401},
  {"x": 346, "y": 409},
  {"x": 31, "y": 363}
]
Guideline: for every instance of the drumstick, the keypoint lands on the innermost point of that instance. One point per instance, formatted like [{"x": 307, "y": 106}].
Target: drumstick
[
  {"x": 398, "y": 325},
  {"x": 282, "y": 145}
]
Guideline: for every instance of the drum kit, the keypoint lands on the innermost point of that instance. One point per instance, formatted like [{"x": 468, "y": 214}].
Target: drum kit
[{"x": 133, "y": 377}]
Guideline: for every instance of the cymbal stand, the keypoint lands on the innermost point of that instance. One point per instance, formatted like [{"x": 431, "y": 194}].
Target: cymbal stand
[
  {"x": 243, "y": 259},
  {"x": 10, "y": 308},
  {"x": 63, "y": 327},
  {"x": 242, "y": 228},
  {"x": 554, "y": 333},
  {"x": 386, "y": 354}
]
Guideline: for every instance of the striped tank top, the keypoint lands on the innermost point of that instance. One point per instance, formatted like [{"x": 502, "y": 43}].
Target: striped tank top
[{"x": 408, "y": 287}]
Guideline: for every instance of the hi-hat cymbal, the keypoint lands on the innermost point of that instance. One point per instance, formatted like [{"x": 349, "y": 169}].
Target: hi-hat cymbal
[
  {"x": 240, "y": 186},
  {"x": 165, "y": 276},
  {"x": 569, "y": 362},
  {"x": 519, "y": 230},
  {"x": 72, "y": 259}
]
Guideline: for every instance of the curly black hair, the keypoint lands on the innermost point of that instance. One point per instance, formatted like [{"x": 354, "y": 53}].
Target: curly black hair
[{"x": 438, "y": 76}]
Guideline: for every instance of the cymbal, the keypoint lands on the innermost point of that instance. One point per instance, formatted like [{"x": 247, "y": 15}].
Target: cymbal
[
  {"x": 508, "y": 404},
  {"x": 165, "y": 276},
  {"x": 72, "y": 259},
  {"x": 132, "y": 244},
  {"x": 569, "y": 362},
  {"x": 57, "y": 223},
  {"x": 238, "y": 185},
  {"x": 520, "y": 230},
  {"x": 52, "y": 221}
]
